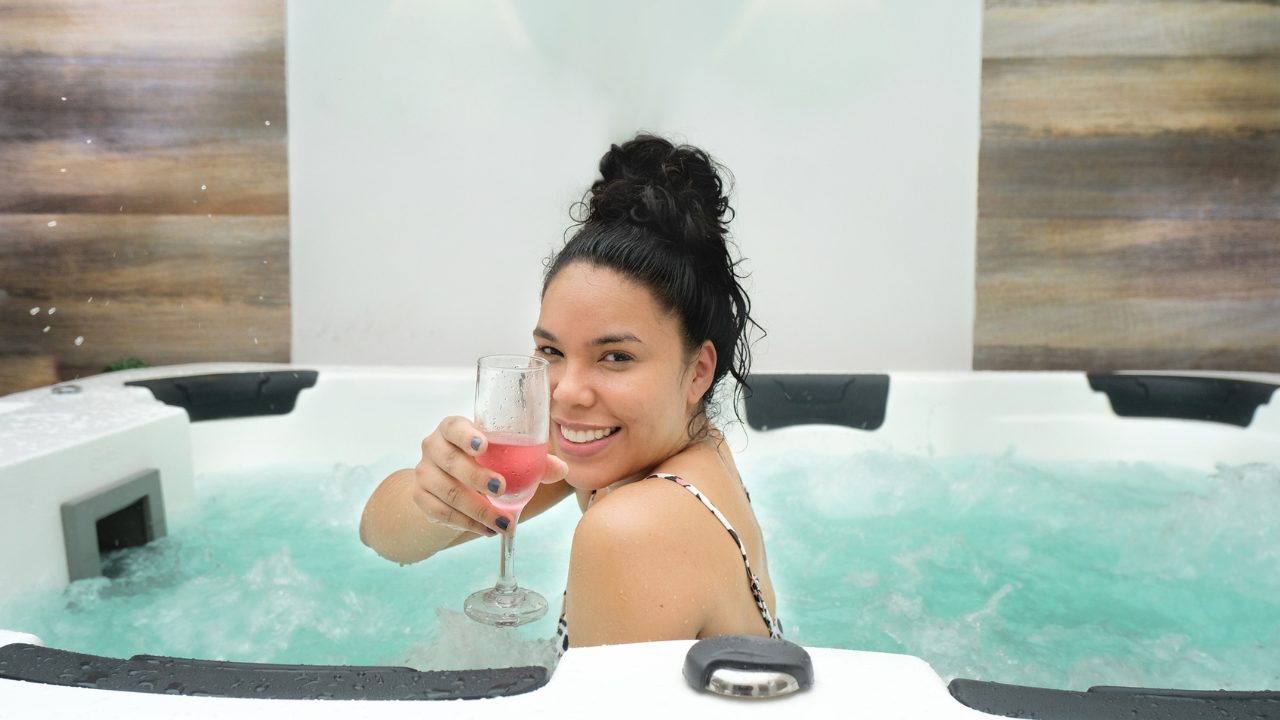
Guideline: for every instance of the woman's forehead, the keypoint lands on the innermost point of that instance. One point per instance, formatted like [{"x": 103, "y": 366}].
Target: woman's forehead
[{"x": 588, "y": 300}]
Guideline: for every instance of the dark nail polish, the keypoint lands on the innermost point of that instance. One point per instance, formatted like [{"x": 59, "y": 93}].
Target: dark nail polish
[
  {"x": 475, "y": 443},
  {"x": 502, "y": 522},
  {"x": 494, "y": 485}
]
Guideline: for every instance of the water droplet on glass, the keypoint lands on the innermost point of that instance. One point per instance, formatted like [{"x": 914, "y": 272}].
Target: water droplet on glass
[
  {"x": 53, "y": 310},
  {"x": 90, "y": 299},
  {"x": 268, "y": 123},
  {"x": 46, "y": 328},
  {"x": 204, "y": 187},
  {"x": 35, "y": 311},
  {"x": 79, "y": 340},
  {"x": 63, "y": 170},
  {"x": 64, "y": 99},
  {"x": 88, "y": 141},
  {"x": 53, "y": 223},
  {"x": 255, "y": 341}
]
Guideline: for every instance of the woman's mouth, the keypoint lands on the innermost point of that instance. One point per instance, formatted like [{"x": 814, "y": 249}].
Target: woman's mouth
[{"x": 584, "y": 440}]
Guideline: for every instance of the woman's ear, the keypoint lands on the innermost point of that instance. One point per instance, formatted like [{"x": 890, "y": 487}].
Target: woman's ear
[{"x": 704, "y": 370}]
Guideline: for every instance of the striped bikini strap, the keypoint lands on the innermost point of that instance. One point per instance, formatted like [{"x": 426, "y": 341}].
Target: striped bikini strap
[{"x": 775, "y": 628}]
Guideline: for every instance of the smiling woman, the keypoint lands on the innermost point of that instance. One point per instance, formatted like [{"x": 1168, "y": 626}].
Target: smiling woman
[{"x": 643, "y": 315}]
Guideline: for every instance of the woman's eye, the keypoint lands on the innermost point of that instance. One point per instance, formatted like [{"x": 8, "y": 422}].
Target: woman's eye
[
  {"x": 548, "y": 350},
  {"x": 617, "y": 357}
]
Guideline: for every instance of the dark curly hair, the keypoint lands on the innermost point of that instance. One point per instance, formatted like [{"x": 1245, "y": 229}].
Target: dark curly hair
[{"x": 659, "y": 215}]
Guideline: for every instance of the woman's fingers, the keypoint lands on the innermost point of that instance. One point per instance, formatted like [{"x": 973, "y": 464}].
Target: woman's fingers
[
  {"x": 462, "y": 434},
  {"x": 452, "y": 449},
  {"x": 440, "y": 513},
  {"x": 446, "y": 501}
]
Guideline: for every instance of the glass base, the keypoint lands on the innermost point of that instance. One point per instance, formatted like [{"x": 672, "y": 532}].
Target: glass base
[{"x": 492, "y": 606}]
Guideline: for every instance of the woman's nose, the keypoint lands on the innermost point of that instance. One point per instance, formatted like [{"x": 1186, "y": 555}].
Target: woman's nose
[{"x": 572, "y": 387}]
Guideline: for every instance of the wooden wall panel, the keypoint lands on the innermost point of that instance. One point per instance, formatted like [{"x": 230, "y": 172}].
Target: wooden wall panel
[
  {"x": 143, "y": 184},
  {"x": 1098, "y": 97},
  {"x": 1128, "y": 28},
  {"x": 1171, "y": 175},
  {"x": 1129, "y": 186}
]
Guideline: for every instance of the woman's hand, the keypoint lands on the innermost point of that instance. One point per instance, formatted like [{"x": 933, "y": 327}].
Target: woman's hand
[
  {"x": 451, "y": 488},
  {"x": 444, "y": 499}
]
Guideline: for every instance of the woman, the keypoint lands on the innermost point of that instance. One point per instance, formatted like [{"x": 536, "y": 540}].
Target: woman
[{"x": 642, "y": 317}]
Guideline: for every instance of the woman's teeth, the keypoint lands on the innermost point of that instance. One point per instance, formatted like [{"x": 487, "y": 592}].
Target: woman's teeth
[{"x": 583, "y": 436}]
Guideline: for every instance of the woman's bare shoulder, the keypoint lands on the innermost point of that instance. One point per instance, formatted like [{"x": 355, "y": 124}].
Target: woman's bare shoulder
[{"x": 634, "y": 572}]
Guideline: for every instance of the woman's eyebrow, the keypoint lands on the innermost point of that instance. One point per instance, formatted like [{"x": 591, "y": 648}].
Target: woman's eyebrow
[{"x": 616, "y": 339}]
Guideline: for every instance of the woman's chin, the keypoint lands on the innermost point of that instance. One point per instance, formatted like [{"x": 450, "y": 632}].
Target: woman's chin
[{"x": 586, "y": 478}]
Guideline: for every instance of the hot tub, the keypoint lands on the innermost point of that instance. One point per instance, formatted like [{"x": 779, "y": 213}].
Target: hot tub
[{"x": 104, "y": 455}]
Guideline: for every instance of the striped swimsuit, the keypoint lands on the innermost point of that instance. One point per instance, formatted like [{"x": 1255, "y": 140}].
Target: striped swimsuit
[{"x": 774, "y": 626}]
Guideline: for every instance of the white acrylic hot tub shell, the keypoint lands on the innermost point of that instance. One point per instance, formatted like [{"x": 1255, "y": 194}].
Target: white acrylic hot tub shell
[{"x": 53, "y": 447}]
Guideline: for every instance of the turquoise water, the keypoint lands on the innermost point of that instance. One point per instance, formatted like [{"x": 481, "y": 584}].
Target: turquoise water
[
  {"x": 1064, "y": 575},
  {"x": 272, "y": 569}
]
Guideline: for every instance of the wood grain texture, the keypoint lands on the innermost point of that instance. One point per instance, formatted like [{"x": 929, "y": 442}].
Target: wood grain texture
[
  {"x": 163, "y": 289},
  {"x": 133, "y": 101},
  {"x": 238, "y": 259},
  {"x": 1129, "y": 186},
  {"x": 143, "y": 182},
  {"x": 1178, "y": 356},
  {"x": 23, "y": 372},
  {"x": 1056, "y": 260},
  {"x": 1090, "y": 97},
  {"x": 241, "y": 177},
  {"x": 1179, "y": 176},
  {"x": 179, "y": 29},
  {"x": 160, "y": 332},
  {"x": 1112, "y": 28}
]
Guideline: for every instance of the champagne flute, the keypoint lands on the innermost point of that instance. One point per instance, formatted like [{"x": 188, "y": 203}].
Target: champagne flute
[{"x": 513, "y": 411}]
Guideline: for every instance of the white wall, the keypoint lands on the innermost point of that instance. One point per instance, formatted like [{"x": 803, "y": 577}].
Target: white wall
[{"x": 436, "y": 147}]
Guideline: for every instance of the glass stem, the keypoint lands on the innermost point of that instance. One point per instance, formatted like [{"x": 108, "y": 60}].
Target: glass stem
[{"x": 507, "y": 571}]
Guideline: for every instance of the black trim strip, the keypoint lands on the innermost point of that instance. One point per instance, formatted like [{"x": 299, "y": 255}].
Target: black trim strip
[
  {"x": 179, "y": 676},
  {"x": 1107, "y": 703},
  {"x": 856, "y": 401},
  {"x": 232, "y": 395},
  {"x": 1221, "y": 400}
]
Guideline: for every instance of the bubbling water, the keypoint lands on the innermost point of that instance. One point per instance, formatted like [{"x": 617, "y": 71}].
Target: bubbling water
[
  {"x": 271, "y": 569},
  {"x": 1065, "y": 575}
]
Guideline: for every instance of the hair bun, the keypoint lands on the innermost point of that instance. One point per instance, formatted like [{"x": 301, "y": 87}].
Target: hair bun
[{"x": 674, "y": 189}]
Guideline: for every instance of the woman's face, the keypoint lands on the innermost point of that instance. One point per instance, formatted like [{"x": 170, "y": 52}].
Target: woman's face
[{"x": 623, "y": 388}]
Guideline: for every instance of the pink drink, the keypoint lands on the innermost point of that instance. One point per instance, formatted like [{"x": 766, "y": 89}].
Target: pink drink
[{"x": 521, "y": 461}]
